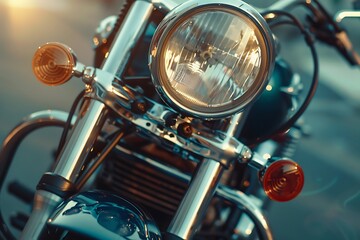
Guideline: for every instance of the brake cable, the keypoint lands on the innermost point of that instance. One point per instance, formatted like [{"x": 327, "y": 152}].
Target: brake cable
[{"x": 315, "y": 79}]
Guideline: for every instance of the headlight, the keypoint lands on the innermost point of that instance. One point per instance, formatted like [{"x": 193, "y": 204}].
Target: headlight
[{"x": 210, "y": 59}]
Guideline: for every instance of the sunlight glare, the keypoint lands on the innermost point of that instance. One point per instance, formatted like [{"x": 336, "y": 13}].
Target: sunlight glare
[{"x": 47, "y": 4}]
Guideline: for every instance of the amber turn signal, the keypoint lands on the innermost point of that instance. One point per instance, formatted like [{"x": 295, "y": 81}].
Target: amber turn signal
[
  {"x": 283, "y": 180},
  {"x": 53, "y": 63}
]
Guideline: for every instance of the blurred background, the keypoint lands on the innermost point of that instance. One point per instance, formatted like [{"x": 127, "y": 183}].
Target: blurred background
[{"x": 329, "y": 206}]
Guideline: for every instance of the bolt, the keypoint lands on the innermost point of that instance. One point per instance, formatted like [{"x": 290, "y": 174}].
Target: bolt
[
  {"x": 139, "y": 107},
  {"x": 185, "y": 130},
  {"x": 245, "y": 155}
]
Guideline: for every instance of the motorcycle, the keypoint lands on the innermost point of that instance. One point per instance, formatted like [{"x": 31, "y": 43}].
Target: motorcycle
[{"x": 185, "y": 148}]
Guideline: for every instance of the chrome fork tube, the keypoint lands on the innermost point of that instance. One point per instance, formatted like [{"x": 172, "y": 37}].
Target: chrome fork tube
[
  {"x": 85, "y": 133},
  {"x": 88, "y": 125},
  {"x": 67, "y": 168},
  {"x": 236, "y": 123},
  {"x": 202, "y": 188},
  {"x": 196, "y": 200},
  {"x": 44, "y": 204},
  {"x": 130, "y": 32}
]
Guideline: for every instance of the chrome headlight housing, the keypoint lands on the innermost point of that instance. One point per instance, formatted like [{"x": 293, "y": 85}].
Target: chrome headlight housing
[{"x": 210, "y": 59}]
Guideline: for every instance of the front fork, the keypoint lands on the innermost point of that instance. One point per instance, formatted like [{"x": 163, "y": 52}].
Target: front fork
[
  {"x": 202, "y": 188},
  {"x": 60, "y": 184},
  {"x": 196, "y": 200},
  {"x": 54, "y": 187}
]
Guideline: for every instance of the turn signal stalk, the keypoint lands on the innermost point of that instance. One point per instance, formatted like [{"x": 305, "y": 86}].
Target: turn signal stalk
[
  {"x": 282, "y": 180},
  {"x": 54, "y": 63}
]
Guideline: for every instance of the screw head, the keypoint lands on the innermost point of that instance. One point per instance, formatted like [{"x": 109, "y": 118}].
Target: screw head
[{"x": 185, "y": 130}]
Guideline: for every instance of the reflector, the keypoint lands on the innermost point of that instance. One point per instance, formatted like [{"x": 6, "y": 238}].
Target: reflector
[
  {"x": 53, "y": 63},
  {"x": 283, "y": 180}
]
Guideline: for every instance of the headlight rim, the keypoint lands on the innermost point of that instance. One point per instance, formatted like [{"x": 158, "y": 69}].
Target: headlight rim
[{"x": 179, "y": 16}]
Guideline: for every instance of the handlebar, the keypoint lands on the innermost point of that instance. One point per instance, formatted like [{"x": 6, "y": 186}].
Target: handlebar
[{"x": 323, "y": 26}]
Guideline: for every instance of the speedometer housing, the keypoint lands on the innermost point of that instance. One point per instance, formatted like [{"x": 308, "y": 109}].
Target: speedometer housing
[{"x": 211, "y": 59}]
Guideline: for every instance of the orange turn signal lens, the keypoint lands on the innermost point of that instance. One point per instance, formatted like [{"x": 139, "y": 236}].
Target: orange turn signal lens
[
  {"x": 283, "y": 180},
  {"x": 53, "y": 63}
]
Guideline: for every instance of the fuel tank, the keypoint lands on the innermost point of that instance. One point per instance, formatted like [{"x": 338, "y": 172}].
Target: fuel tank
[
  {"x": 274, "y": 106},
  {"x": 101, "y": 215}
]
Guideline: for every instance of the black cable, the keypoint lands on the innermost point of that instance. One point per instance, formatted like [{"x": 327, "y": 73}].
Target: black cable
[
  {"x": 306, "y": 4},
  {"x": 68, "y": 121},
  {"x": 320, "y": 13},
  {"x": 328, "y": 17},
  {"x": 310, "y": 42},
  {"x": 104, "y": 153}
]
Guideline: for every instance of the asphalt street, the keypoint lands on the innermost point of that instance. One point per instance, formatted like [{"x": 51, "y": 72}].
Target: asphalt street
[{"x": 329, "y": 206}]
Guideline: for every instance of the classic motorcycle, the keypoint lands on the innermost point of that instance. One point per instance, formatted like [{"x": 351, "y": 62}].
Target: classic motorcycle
[{"x": 185, "y": 128}]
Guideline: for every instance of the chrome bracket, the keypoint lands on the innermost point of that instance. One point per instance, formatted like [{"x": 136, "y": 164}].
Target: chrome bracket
[{"x": 203, "y": 142}]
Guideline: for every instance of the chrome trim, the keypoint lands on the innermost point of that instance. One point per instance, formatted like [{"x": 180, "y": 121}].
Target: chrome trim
[
  {"x": 340, "y": 16},
  {"x": 88, "y": 75},
  {"x": 246, "y": 226},
  {"x": 236, "y": 124},
  {"x": 44, "y": 205},
  {"x": 31, "y": 123},
  {"x": 257, "y": 161},
  {"x": 245, "y": 203},
  {"x": 115, "y": 95},
  {"x": 204, "y": 142},
  {"x": 285, "y": 5},
  {"x": 193, "y": 206},
  {"x": 129, "y": 34},
  {"x": 78, "y": 69},
  {"x": 107, "y": 216}
]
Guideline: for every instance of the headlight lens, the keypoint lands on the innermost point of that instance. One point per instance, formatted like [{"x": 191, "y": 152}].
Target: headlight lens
[{"x": 211, "y": 60}]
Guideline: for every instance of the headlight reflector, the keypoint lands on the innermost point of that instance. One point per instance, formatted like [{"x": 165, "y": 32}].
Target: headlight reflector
[{"x": 211, "y": 60}]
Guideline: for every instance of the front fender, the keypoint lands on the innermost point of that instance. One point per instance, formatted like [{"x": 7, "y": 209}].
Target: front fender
[{"x": 101, "y": 215}]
